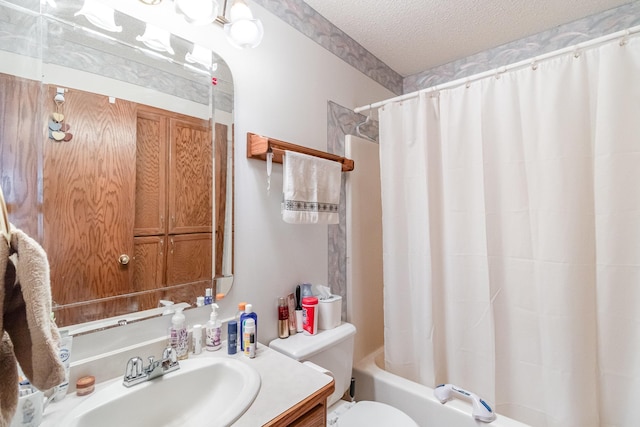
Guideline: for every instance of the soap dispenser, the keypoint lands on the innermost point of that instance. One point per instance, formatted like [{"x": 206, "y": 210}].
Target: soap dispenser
[
  {"x": 213, "y": 330},
  {"x": 179, "y": 336}
]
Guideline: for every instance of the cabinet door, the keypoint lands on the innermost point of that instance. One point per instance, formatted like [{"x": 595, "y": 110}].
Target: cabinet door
[
  {"x": 189, "y": 258},
  {"x": 190, "y": 176},
  {"x": 88, "y": 198},
  {"x": 148, "y": 263},
  {"x": 151, "y": 176}
]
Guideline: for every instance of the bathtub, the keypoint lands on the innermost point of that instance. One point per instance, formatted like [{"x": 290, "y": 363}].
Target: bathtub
[{"x": 416, "y": 400}]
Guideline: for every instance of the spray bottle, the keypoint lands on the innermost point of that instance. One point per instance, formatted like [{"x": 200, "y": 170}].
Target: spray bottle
[{"x": 213, "y": 330}]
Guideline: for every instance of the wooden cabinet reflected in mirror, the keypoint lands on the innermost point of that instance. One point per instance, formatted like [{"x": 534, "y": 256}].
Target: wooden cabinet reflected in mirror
[
  {"x": 131, "y": 210},
  {"x": 132, "y": 188},
  {"x": 126, "y": 203}
]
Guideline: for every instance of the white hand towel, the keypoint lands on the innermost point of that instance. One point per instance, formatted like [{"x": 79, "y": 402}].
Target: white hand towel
[{"x": 311, "y": 187}]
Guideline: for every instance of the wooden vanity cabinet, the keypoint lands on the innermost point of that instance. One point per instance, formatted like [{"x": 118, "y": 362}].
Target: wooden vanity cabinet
[{"x": 311, "y": 412}]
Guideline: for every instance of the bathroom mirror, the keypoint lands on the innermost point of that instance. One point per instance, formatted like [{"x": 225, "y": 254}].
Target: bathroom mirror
[{"x": 77, "y": 184}]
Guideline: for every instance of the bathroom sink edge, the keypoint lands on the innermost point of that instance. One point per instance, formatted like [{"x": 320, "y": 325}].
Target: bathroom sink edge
[{"x": 113, "y": 390}]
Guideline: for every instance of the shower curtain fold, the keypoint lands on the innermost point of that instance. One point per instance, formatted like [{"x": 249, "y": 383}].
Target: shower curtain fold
[{"x": 511, "y": 230}]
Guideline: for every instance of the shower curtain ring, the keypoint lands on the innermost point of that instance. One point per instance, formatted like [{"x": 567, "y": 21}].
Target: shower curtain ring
[{"x": 625, "y": 38}]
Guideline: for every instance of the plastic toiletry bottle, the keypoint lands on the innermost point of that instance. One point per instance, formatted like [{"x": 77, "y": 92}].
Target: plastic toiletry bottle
[
  {"x": 283, "y": 318},
  {"x": 66, "y": 342},
  {"x": 213, "y": 330},
  {"x": 196, "y": 339},
  {"x": 179, "y": 336},
  {"x": 208, "y": 296},
  {"x": 232, "y": 337},
  {"x": 310, "y": 315},
  {"x": 248, "y": 314},
  {"x": 249, "y": 337},
  {"x": 299, "y": 312},
  {"x": 241, "y": 307}
]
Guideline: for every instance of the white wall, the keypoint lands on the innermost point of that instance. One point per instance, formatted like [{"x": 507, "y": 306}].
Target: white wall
[{"x": 281, "y": 90}]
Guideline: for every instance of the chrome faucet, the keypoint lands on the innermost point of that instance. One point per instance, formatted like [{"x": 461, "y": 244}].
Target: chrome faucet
[{"x": 136, "y": 372}]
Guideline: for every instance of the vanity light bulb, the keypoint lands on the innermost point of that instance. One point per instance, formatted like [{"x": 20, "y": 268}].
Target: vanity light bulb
[
  {"x": 198, "y": 12},
  {"x": 245, "y": 33},
  {"x": 240, "y": 10}
]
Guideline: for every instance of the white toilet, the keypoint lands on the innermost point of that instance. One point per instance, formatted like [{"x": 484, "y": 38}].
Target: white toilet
[{"x": 333, "y": 350}]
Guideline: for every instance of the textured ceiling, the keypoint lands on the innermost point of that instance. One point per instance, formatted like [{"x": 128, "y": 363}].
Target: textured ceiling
[{"x": 411, "y": 36}]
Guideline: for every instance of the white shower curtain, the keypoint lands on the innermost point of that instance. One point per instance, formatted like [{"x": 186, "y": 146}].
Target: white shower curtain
[{"x": 511, "y": 234}]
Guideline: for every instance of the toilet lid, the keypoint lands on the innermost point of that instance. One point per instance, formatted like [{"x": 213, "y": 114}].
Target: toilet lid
[{"x": 371, "y": 414}]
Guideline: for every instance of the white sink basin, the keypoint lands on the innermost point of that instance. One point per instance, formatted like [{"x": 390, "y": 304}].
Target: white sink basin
[{"x": 207, "y": 391}]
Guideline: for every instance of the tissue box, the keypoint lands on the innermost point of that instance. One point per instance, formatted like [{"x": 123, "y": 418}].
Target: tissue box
[{"x": 330, "y": 312}]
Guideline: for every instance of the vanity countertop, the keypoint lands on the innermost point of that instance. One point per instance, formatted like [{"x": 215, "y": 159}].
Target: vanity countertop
[{"x": 284, "y": 383}]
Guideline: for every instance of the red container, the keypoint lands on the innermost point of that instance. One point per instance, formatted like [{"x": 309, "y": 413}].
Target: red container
[{"x": 310, "y": 315}]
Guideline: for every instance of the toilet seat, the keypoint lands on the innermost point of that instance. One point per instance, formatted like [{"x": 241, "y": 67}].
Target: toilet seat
[{"x": 371, "y": 414}]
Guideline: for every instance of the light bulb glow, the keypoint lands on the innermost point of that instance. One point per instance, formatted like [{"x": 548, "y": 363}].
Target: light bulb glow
[
  {"x": 156, "y": 38},
  {"x": 100, "y": 15},
  {"x": 240, "y": 10},
  {"x": 244, "y": 33},
  {"x": 198, "y": 12}
]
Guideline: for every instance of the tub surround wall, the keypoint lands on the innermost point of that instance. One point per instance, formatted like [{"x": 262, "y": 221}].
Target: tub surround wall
[{"x": 341, "y": 121}]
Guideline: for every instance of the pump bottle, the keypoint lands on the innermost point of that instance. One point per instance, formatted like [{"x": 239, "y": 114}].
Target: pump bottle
[
  {"x": 213, "y": 330},
  {"x": 179, "y": 336}
]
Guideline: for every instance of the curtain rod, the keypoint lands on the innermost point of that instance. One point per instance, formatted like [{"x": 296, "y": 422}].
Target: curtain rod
[{"x": 624, "y": 34}]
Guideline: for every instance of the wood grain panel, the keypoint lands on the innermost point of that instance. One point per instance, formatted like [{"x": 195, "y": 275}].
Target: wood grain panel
[
  {"x": 21, "y": 151},
  {"x": 148, "y": 262},
  {"x": 188, "y": 258},
  {"x": 88, "y": 198},
  {"x": 151, "y": 176},
  {"x": 221, "y": 171},
  {"x": 306, "y": 412},
  {"x": 190, "y": 177},
  {"x": 316, "y": 417}
]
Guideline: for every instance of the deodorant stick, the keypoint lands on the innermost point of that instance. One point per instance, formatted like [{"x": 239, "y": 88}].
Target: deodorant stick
[{"x": 310, "y": 315}]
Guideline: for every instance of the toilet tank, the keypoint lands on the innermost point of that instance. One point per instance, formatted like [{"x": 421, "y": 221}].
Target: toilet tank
[{"x": 330, "y": 349}]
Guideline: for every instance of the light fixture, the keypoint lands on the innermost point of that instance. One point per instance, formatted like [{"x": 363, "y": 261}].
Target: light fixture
[
  {"x": 156, "y": 38},
  {"x": 242, "y": 30},
  {"x": 100, "y": 15},
  {"x": 197, "y": 12}
]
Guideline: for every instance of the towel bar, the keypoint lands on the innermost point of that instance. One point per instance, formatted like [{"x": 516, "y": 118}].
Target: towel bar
[{"x": 258, "y": 146}]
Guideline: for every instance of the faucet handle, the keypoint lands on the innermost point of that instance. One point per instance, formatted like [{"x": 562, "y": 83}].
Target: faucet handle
[
  {"x": 170, "y": 359},
  {"x": 134, "y": 368},
  {"x": 170, "y": 354}
]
